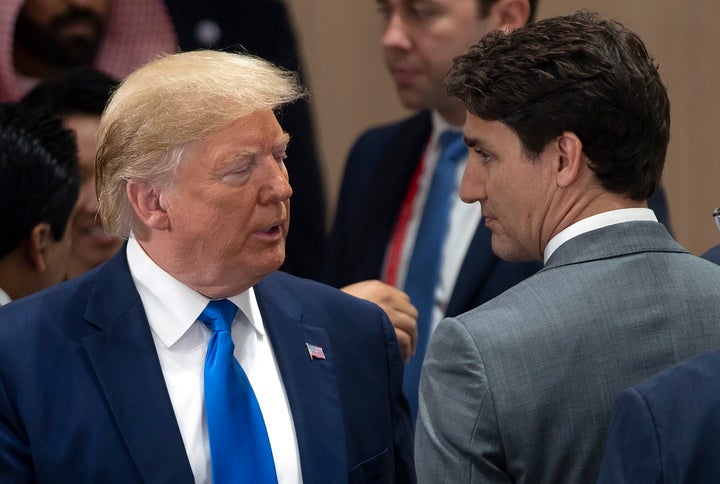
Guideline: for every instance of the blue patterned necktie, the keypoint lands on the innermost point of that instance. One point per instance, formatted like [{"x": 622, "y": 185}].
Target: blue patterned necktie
[
  {"x": 424, "y": 268},
  {"x": 239, "y": 444}
]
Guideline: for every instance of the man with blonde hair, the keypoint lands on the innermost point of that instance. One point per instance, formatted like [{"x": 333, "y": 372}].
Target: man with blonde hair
[{"x": 186, "y": 357}]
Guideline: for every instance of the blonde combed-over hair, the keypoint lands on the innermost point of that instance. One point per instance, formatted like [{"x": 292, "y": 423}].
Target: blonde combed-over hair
[{"x": 168, "y": 103}]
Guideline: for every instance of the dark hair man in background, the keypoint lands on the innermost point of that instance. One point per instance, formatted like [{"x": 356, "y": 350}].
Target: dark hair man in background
[
  {"x": 420, "y": 259},
  {"x": 38, "y": 189},
  {"x": 79, "y": 99}
]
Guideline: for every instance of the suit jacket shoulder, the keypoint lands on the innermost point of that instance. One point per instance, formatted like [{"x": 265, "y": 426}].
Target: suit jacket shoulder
[
  {"x": 665, "y": 428},
  {"x": 610, "y": 308},
  {"x": 105, "y": 415}
]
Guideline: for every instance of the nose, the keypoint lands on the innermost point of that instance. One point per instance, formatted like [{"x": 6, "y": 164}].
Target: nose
[
  {"x": 277, "y": 186},
  {"x": 396, "y": 35},
  {"x": 472, "y": 186}
]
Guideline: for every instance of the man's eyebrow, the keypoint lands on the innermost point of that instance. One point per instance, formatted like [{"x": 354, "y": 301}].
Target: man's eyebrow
[
  {"x": 472, "y": 142},
  {"x": 478, "y": 144},
  {"x": 282, "y": 140}
]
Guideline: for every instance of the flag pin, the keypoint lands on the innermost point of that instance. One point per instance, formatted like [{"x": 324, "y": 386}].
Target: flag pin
[{"x": 316, "y": 352}]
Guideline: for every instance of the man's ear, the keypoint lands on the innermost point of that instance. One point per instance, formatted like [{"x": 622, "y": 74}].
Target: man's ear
[
  {"x": 510, "y": 14},
  {"x": 148, "y": 204},
  {"x": 37, "y": 244},
  {"x": 571, "y": 160}
]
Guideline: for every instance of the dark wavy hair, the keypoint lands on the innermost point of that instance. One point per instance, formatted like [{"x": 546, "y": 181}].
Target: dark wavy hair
[
  {"x": 580, "y": 74},
  {"x": 39, "y": 180}
]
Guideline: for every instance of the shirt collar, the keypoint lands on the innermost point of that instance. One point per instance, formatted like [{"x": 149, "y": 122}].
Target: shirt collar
[
  {"x": 171, "y": 306},
  {"x": 596, "y": 222},
  {"x": 439, "y": 125},
  {"x": 4, "y": 297}
]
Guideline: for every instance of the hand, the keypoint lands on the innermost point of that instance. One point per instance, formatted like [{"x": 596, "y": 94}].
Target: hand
[{"x": 396, "y": 305}]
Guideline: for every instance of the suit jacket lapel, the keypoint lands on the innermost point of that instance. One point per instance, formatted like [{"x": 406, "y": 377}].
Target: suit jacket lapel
[
  {"x": 125, "y": 361},
  {"x": 310, "y": 384}
]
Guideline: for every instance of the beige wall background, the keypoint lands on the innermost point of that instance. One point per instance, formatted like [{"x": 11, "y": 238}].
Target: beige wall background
[{"x": 340, "y": 42}]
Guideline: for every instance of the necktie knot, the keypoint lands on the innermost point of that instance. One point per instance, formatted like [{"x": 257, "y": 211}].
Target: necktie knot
[
  {"x": 218, "y": 315},
  {"x": 452, "y": 146}
]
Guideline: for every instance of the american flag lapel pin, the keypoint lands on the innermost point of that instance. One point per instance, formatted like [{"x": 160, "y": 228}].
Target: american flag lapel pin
[{"x": 315, "y": 352}]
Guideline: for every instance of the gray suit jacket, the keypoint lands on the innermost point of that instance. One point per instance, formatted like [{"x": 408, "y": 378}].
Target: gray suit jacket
[{"x": 520, "y": 389}]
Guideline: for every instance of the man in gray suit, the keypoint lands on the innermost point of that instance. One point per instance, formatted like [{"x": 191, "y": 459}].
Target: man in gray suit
[{"x": 567, "y": 126}]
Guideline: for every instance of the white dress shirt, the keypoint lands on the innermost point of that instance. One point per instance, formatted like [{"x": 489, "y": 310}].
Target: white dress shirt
[
  {"x": 464, "y": 220},
  {"x": 181, "y": 342},
  {"x": 598, "y": 221}
]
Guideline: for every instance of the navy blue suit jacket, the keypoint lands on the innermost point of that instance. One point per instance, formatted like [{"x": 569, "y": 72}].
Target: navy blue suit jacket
[
  {"x": 667, "y": 428},
  {"x": 377, "y": 175},
  {"x": 713, "y": 254},
  {"x": 83, "y": 399}
]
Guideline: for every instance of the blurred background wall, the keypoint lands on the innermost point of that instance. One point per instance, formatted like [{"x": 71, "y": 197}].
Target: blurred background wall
[{"x": 340, "y": 41}]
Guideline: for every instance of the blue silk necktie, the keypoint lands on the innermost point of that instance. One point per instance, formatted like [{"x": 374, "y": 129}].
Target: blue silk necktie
[
  {"x": 424, "y": 268},
  {"x": 239, "y": 444}
]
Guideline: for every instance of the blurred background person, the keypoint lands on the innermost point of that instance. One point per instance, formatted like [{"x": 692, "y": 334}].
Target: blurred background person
[
  {"x": 45, "y": 39},
  {"x": 402, "y": 237},
  {"x": 79, "y": 99},
  {"x": 39, "y": 185}
]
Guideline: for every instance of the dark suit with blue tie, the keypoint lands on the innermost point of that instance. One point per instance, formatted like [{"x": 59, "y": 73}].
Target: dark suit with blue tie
[{"x": 83, "y": 399}]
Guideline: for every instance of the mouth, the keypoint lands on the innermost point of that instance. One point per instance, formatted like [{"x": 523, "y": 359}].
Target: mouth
[
  {"x": 403, "y": 76},
  {"x": 272, "y": 232}
]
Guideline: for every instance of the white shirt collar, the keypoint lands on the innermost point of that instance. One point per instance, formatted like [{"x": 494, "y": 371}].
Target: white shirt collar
[
  {"x": 4, "y": 297},
  {"x": 163, "y": 295},
  {"x": 596, "y": 222}
]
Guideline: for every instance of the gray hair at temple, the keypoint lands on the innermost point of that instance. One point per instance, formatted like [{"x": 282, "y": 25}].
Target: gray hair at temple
[{"x": 168, "y": 103}]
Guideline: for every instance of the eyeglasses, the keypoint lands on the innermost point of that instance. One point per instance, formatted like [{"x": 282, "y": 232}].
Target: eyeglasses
[{"x": 716, "y": 216}]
